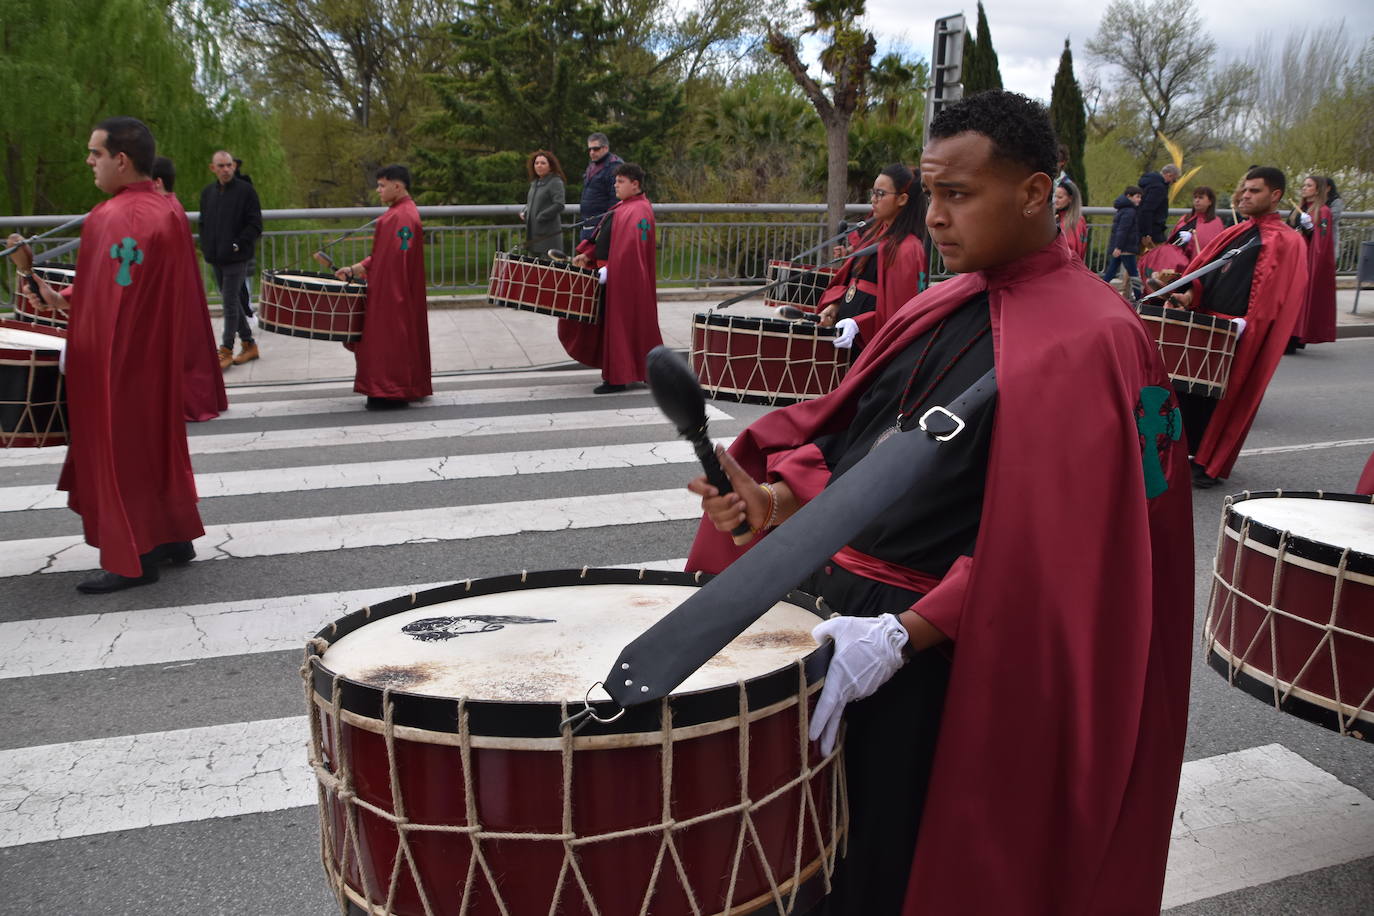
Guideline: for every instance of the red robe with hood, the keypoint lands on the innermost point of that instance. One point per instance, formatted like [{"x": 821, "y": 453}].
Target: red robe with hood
[
  {"x": 628, "y": 329},
  {"x": 1277, "y": 292},
  {"x": 900, "y": 276},
  {"x": 1318, "y": 324},
  {"x": 128, "y": 471},
  {"x": 1057, "y": 764},
  {"x": 393, "y": 354}
]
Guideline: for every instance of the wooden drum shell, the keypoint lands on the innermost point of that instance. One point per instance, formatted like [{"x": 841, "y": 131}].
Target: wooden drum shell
[
  {"x": 554, "y": 288},
  {"x": 765, "y": 360},
  {"x": 1197, "y": 349},
  {"x": 314, "y": 305},
  {"x": 33, "y": 398}
]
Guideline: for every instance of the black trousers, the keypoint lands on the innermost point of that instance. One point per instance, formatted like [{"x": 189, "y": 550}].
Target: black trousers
[{"x": 1197, "y": 413}]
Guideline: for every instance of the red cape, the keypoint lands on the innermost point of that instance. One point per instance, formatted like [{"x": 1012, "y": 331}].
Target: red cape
[
  {"x": 204, "y": 384},
  {"x": 1174, "y": 257},
  {"x": 1057, "y": 766},
  {"x": 393, "y": 354},
  {"x": 1076, "y": 237},
  {"x": 1277, "y": 293},
  {"x": 628, "y": 329},
  {"x": 1318, "y": 324},
  {"x": 128, "y": 471},
  {"x": 1366, "y": 484},
  {"x": 900, "y": 276}
]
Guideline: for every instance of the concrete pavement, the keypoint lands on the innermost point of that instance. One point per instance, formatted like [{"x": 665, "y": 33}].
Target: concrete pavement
[{"x": 468, "y": 335}]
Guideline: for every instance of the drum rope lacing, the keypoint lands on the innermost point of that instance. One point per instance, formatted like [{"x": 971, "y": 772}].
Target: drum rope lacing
[
  {"x": 1226, "y": 610},
  {"x": 340, "y": 785},
  {"x": 808, "y": 366}
]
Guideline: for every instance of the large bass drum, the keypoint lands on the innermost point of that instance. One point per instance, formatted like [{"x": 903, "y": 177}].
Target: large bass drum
[
  {"x": 59, "y": 277},
  {"x": 765, "y": 360},
  {"x": 302, "y": 303},
  {"x": 450, "y": 781},
  {"x": 33, "y": 400},
  {"x": 556, "y": 288},
  {"x": 1197, "y": 349}
]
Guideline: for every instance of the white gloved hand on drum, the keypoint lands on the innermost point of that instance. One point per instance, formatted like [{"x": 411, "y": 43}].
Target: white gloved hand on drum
[
  {"x": 868, "y": 651},
  {"x": 1306, "y": 220},
  {"x": 1240, "y": 326},
  {"x": 601, "y": 275},
  {"x": 848, "y": 330},
  {"x": 1185, "y": 237}
]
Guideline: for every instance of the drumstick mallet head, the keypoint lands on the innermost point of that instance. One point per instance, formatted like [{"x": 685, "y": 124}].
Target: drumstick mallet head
[
  {"x": 325, "y": 261},
  {"x": 678, "y": 394}
]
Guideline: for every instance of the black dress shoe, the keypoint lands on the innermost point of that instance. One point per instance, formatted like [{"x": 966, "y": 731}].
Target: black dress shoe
[
  {"x": 608, "y": 388},
  {"x": 1201, "y": 479},
  {"x": 104, "y": 581},
  {"x": 384, "y": 403},
  {"x": 178, "y": 553}
]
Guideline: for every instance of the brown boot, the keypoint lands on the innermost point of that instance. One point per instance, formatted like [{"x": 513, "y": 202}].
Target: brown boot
[
  {"x": 248, "y": 352},
  {"x": 226, "y": 358}
]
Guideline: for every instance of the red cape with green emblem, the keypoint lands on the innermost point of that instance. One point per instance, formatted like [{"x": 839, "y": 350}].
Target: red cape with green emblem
[
  {"x": 1057, "y": 766},
  {"x": 393, "y": 356},
  {"x": 128, "y": 471}
]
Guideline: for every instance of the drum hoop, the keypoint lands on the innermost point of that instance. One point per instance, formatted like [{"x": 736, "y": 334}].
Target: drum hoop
[
  {"x": 515, "y": 719},
  {"x": 566, "y": 266},
  {"x": 31, "y": 328},
  {"x": 1187, "y": 316},
  {"x": 1319, "y": 555},
  {"x": 763, "y": 323},
  {"x": 1294, "y": 701},
  {"x": 309, "y": 282}
]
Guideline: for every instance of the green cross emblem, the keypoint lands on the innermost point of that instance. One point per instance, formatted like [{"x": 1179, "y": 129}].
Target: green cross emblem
[
  {"x": 405, "y": 235},
  {"x": 126, "y": 253},
  {"x": 643, "y": 230},
  {"x": 1159, "y": 429}
]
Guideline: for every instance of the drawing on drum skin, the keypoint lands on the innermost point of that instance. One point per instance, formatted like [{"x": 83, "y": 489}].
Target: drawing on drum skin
[{"x": 431, "y": 629}]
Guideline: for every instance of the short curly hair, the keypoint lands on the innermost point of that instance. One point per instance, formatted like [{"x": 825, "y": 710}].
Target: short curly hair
[{"x": 1019, "y": 127}]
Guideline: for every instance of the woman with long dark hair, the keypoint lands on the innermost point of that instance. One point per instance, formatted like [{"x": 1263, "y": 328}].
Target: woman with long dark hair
[
  {"x": 869, "y": 288},
  {"x": 544, "y": 203}
]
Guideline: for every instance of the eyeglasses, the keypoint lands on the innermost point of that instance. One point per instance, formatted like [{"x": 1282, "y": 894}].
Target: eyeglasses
[{"x": 879, "y": 194}]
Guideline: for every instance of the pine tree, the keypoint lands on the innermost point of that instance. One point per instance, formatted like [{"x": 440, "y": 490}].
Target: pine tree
[
  {"x": 982, "y": 72},
  {"x": 1070, "y": 119}
]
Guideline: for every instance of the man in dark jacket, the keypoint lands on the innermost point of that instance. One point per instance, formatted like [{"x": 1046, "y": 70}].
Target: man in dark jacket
[
  {"x": 1125, "y": 240},
  {"x": 230, "y": 223},
  {"x": 598, "y": 184},
  {"x": 1153, "y": 212}
]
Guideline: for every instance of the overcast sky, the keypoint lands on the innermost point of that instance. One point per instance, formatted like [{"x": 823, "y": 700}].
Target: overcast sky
[{"x": 1029, "y": 37}]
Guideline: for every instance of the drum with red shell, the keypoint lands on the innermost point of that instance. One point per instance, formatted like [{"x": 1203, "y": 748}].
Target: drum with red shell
[
  {"x": 1291, "y": 616},
  {"x": 800, "y": 285},
  {"x": 33, "y": 401},
  {"x": 451, "y": 781},
  {"x": 765, "y": 360},
  {"x": 555, "y": 288},
  {"x": 1197, "y": 348},
  {"x": 59, "y": 277},
  {"x": 301, "y": 303}
]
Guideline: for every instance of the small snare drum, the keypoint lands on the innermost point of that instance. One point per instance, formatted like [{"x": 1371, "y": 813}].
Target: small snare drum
[
  {"x": 1291, "y": 617},
  {"x": 33, "y": 403},
  {"x": 450, "y": 781},
  {"x": 554, "y": 288},
  {"x": 803, "y": 284},
  {"x": 59, "y": 277},
  {"x": 765, "y": 360},
  {"x": 1197, "y": 348},
  {"x": 314, "y": 305}
]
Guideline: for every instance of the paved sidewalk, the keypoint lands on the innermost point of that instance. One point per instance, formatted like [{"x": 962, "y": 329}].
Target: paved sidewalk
[{"x": 467, "y": 335}]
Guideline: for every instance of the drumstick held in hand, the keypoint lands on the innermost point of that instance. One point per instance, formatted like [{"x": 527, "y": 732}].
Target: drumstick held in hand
[{"x": 325, "y": 261}]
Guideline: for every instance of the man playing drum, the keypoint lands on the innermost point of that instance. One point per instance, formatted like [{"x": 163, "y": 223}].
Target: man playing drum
[
  {"x": 623, "y": 248},
  {"x": 1267, "y": 287},
  {"x": 1013, "y": 661},
  {"x": 393, "y": 354},
  {"x": 128, "y": 470}
]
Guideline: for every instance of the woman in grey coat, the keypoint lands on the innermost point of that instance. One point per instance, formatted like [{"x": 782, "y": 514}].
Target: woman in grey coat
[{"x": 544, "y": 203}]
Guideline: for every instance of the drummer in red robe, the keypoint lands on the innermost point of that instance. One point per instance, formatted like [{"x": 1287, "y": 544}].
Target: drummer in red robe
[
  {"x": 870, "y": 288},
  {"x": 128, "y": 470},
  {"x": 623, "y": 249},
  {"x": 1313, "y": 220},
  {"x": 1012, "y": 655},
  {"x": 393, "y": 355},
  {"x": 1266, "y": 286}
]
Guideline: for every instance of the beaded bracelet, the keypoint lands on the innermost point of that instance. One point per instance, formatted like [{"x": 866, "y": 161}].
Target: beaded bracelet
[{"x": 772, "y": 506}]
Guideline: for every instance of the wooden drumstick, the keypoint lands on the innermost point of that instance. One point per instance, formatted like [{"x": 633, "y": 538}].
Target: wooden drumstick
[
  {"x": 325, "y": 261},
  {"x": 22, "y": 256}
]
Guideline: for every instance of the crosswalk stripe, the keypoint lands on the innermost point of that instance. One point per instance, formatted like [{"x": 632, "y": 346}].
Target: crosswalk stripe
[
  {"x": 60, "y": 645},
  {"x": 407, "y": 470},
  {"x": 353, "y": 403},
  {"x": 241, "y": 390},
  {"x": 381, "y": 433},
  {"x": 344, "y": 532},
  {"x": 1304, "y": 447}
]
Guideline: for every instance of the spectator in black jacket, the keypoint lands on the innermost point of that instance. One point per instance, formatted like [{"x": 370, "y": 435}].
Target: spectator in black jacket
[
  {"x": 1153, "y": 212},
  {"x": 1125, "y": 241},
  {"x": 598, "y": 183},
  {"x": 230, "y": 223}
]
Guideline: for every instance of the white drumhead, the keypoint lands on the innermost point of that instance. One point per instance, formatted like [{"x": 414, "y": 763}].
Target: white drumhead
[
  {"x": 547, "y": 644},
  {"x": 15, "y": 339},
  {"x": 1327, "y": 521},
  {"x": 333, "y": 282}
]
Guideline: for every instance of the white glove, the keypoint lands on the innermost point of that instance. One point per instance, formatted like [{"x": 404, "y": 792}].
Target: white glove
[
  {"x": 1305, "y": 220},
  {"x": 1185, "y": 237},
  {"x": 601, "y": 275},
  {"x": 848, "y": 329},
  {"x": 62, "y": 358},
  {"x": 868, "y": 651},
  {"x": 1240, "y": 326}
]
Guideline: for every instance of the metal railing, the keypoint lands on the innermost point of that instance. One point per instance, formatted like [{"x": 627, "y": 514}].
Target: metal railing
[{"x": 698, "y": 244}]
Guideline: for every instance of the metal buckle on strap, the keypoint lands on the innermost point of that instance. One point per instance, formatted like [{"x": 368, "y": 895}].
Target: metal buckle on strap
[{"x": 940, "y": 411}]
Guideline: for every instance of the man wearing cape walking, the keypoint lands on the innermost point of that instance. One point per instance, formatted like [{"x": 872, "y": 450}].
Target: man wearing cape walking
[
  {"x": 128, "y": 470},
  {"x": 1012, "y": 647},
  {"x": 623, "y": 250},
  {"x": 393, "y": 355}
]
